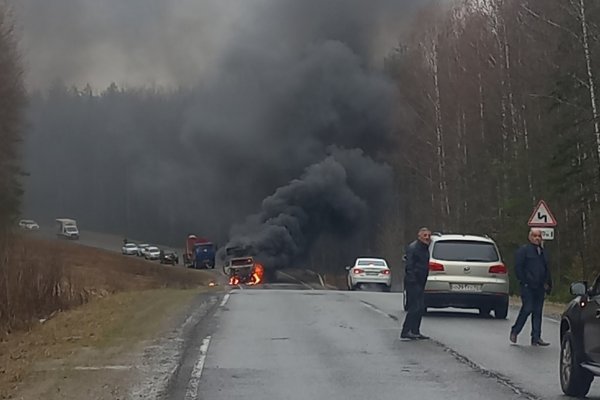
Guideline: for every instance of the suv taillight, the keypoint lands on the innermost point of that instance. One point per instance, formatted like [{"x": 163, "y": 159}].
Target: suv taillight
[
  {"x": 436, "y": 267},
  {"x": 498, "y": 269}
]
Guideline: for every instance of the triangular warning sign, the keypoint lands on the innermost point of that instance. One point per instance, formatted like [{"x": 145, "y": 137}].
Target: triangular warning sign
[{"x": 542, "y": 216}]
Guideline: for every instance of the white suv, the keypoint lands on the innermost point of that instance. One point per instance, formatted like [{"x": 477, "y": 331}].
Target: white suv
[
  {"x": 369, "y": 271},
  {"x": 466, "y": 271}
]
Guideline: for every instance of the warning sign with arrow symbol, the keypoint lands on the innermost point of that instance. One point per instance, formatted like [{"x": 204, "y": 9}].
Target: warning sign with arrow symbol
[{"x": 542, "y": 216}]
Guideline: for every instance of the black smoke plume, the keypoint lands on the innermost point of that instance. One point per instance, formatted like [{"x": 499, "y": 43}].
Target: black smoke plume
[
  {"x": 339, "y": 195},
  {"x": 218, "y": 108}
]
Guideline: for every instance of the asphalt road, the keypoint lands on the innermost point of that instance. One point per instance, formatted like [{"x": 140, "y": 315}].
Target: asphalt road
[
  {"x": 289, "y": 340},
  {"x": 317, "y": 344}
]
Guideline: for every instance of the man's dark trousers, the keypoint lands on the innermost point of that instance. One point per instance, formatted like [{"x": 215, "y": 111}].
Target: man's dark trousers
[
  {"x": 415, "y": 301},
  {"x": 533, "y": 303}
]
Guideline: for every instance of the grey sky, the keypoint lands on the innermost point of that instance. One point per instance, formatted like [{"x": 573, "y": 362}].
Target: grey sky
[{"x": 182, "y": 42}]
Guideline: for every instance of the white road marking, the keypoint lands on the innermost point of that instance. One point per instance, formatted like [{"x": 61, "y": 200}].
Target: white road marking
[
  {"x": 224, "y": 300},
  {"x": 192, "y": 389},
  {"x": 104, "y": 367}
]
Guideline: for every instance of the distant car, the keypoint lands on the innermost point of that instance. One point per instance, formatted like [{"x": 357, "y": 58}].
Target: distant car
[
  {"x": 169, "y": 257},
  {"x": 369, "y": 271},
  {"x": 580, "y": 340},
  {"x": 28, "y": 225},
  {"x": 152, "y": 253},
  {"x": 129, "y": 249},
  {"x": 466, "y": 271},
  {"x": 141, "y": 249}
]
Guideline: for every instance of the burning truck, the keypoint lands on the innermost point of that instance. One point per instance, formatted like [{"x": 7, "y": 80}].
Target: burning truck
[{"x": 242, "y": 269}]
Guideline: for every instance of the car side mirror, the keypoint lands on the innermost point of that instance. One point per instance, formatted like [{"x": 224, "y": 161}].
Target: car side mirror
[
  {"x": 348, "y": 268},
  {"x": 578, "y": 289},
  {"x": 404, "y": 257}
]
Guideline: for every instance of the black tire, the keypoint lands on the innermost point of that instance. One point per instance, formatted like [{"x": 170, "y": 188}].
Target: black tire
[
  {"x": 501, "y": 310},
  {"x": 386, "y": 288},
  {"x": 575, "y": 380},
  {"x": 485, "y": 312}
]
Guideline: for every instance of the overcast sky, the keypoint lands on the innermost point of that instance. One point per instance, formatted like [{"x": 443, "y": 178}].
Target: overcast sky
[{"x": 182, "y": 42}]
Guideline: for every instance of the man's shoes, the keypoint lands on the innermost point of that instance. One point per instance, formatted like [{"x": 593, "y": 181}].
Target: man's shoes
[
  {"x": 422, "y": 337},
  {"x": 409, "y": 335},
  {"x": 513, "y": 337},
  {"x": 539, "y": 342}
]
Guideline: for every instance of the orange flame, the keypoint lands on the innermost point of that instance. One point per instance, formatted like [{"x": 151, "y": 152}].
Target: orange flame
[
  {"x": 234, "y": 280},
  {"x": 257, "y": 275}
]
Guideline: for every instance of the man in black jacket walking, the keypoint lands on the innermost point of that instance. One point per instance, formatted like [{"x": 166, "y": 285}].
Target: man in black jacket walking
[
  {"x": 415, "y": 278},
  {"x": 533, "y": 273}
]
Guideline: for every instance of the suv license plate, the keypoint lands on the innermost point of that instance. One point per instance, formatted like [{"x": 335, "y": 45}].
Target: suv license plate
[{"x": 460, "y": 287}]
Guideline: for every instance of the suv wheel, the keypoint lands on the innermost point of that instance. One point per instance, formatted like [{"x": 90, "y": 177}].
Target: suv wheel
[
  {"x": 574, "y": 380},
  {"x": 501, "y": 310}
]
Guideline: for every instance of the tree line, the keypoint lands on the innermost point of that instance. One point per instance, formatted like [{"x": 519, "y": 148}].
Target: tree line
[
  {"x": 12, "y": 104},
  {"x": 503, "y": 111}
]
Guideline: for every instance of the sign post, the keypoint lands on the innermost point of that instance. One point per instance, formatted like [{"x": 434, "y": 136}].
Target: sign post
[{"x": 543, "y": 219}]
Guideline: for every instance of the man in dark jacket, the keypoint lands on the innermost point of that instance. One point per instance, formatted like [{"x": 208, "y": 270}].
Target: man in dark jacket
[
  {"x": 415, "y": 278},
  {"x": 533, "y": 273}
]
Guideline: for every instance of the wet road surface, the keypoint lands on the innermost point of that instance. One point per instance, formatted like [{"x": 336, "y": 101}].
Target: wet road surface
[{"x": 317, "y": 344}]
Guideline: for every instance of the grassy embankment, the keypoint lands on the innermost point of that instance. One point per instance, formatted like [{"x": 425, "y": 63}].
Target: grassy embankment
[{"x": 58, "y": 299}]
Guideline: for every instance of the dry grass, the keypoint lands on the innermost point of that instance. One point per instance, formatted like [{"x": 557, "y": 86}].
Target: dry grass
[
  {"x": 39, "y": 278},
  {"x": 110, "y": 330},
  {"x": 336, "y": 280}
]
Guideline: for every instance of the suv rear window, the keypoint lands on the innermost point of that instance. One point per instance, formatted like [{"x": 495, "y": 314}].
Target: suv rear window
[{"x": 464, "y": 250}]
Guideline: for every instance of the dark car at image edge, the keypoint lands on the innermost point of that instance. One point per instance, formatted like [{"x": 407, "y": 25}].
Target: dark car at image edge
[{"x": 580, "y": 340}]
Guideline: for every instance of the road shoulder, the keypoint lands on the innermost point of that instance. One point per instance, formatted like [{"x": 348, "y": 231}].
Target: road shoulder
[{"x": 102, "y": 350}]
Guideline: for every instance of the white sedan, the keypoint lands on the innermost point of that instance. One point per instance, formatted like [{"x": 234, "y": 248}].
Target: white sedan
[
  {"x": 152, "y": 253},
  {"x": 129, "y": 249},
  {"x": 369, "y": 271}
]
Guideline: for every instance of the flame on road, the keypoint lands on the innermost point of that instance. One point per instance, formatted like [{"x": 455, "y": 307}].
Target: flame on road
[{"x": 234, "y": 280}]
